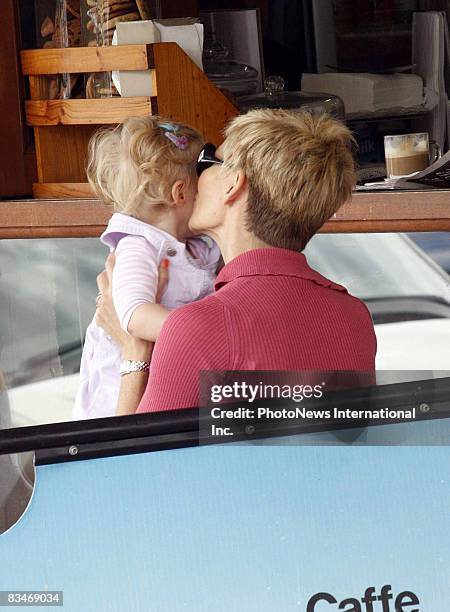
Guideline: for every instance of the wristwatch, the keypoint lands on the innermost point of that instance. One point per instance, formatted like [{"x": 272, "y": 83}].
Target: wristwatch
[{"x": 128, "y": 366}]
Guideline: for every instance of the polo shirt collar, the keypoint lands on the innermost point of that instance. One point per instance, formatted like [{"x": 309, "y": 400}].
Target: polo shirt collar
[{"x": 271, "y": 261}]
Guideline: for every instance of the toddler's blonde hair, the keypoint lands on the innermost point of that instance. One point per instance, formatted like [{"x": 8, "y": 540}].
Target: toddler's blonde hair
[{"x": 135, "y": 163}]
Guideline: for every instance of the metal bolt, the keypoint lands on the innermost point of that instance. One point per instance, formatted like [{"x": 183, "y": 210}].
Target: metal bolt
[
  {"x": 424, "y": 408},
  {"x": 73, "y": 450},
  {"x": 171, "y": 252},
  {"x": 249, "y": 429}
]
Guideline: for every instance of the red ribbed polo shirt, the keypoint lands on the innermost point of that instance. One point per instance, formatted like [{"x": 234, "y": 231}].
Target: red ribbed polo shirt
[{"x": 270, "y": 311}]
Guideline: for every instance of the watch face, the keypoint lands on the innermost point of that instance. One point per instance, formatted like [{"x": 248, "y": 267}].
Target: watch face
[{"x": 125, "y": 367}]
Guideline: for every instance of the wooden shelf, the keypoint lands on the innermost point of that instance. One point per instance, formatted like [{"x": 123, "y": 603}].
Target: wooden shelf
[
  {"x": 401, "y": 211},
  {"x": 87, "y": 112},
  {"x": 86, "y": 59},
  {"x": 62, "y": 128},
  {"x": 53, "y": 218},
  {"x": 365, "y": 213}
]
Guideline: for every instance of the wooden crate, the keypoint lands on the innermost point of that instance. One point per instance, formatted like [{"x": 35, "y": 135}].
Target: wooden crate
[{"x": 63, "y": 127}]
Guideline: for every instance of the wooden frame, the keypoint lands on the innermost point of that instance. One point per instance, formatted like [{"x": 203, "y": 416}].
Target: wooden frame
[
  {"x": 17, "y": 159},
  {"x": 393, "y": 211},
  {"x": 63, "y": 127},
  {"x": 366, "y": 213}
]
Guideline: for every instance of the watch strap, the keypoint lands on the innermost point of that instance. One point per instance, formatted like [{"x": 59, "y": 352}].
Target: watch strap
[{"x": 129, "y": 366}]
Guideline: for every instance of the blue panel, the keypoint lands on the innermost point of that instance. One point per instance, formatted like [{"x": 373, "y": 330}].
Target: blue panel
[{"x": 231, "y": 528}]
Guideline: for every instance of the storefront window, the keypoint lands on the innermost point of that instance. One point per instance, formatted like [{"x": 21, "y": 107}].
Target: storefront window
[
  {"x": 47, "y": 300},
  {"x": 48, "y": 289},
  {"x": 406, "y": 291}
]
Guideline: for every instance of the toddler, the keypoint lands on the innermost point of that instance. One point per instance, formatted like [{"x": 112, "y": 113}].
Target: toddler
[{"x": 145, "y": 168}]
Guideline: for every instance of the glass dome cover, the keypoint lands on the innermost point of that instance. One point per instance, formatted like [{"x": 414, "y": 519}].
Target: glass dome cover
[{"x": 275, "y": 96}]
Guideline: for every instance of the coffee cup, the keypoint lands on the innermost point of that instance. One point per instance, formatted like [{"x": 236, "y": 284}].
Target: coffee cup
[{"x": 409, "y": 153}]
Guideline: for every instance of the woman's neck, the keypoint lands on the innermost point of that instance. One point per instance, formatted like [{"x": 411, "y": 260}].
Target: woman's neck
[
  {"x": 233, "y": 241},
  {"x": 230, "y": 251}
]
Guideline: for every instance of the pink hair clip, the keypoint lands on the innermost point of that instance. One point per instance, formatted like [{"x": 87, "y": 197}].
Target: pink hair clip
[{"x": 181, "y": 142}]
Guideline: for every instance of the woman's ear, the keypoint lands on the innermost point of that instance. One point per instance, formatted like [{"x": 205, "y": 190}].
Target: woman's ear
[
  {"x": 237, "y": 185},
  {"x": 179, "y": 193}
]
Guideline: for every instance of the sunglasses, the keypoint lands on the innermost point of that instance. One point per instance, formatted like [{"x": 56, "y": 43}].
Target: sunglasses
[{"x": 207, "y": 158}]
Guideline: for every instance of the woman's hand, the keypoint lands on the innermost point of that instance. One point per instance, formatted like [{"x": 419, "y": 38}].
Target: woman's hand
[
  {"x": 106, "y": 315},
  {"x": 163, "y": 279},
  {"x": 135, "y": 349}
]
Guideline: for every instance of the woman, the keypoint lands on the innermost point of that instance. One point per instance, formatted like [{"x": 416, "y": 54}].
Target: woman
[{"x": 270, "y": 186}]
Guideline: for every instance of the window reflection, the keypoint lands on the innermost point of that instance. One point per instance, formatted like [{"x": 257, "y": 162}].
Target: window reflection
[
  {"x": 47, "y": 299},
  {"x": 406, "y": 291},
  {"x": 371, "y": 36},
  {"x": 48, "y": 289}
]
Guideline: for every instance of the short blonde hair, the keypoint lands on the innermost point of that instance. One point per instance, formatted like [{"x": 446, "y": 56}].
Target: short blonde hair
[
  {"x": 135, "y": 163},
  {"x": 299, "y": 167}
]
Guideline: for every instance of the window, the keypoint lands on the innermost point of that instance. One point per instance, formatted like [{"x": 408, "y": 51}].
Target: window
[
  {"x": 48, "y": 289},
  {"x": 47, "y": 297}
]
